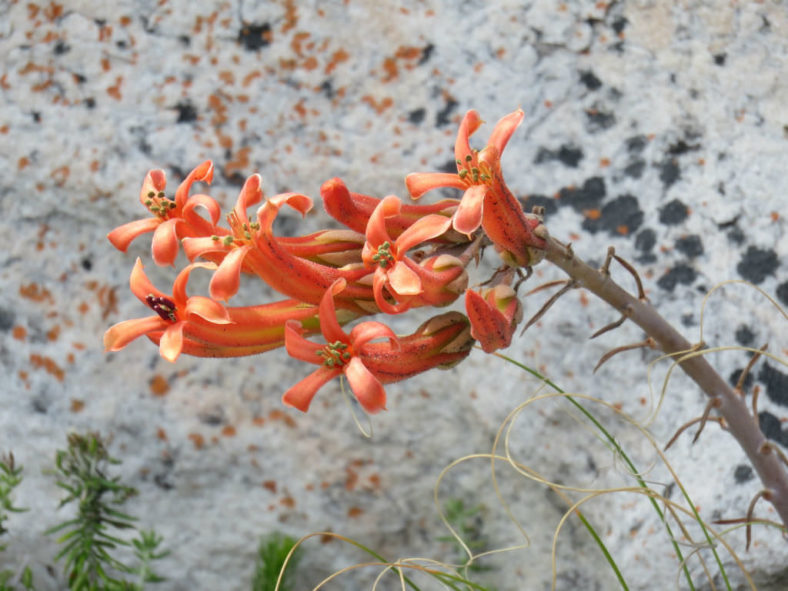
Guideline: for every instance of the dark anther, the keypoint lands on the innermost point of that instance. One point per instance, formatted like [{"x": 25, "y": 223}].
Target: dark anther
[{"x": 164, "y": 307}]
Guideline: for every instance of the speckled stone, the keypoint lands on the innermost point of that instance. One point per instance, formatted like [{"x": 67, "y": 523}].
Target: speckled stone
[{"x": 655, "y": 127}]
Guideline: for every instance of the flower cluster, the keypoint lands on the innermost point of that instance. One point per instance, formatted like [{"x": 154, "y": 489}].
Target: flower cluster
[{"x": 392, "y": 257}]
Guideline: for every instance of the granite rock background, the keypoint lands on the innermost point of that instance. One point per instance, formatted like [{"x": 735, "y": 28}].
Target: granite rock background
[{"x": 660, "y": 128}]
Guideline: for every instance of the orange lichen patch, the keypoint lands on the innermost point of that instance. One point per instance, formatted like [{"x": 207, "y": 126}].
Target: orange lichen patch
[
  {"x": 105, "y": 33},
  {"x": 622, "y": 229},
  {"x": 125, "y": 21},
  {"x": 77, "y": 405},
  {"x": 374, "y": 481},
  {"x": 159, "y": 386},
  {"x": 270, "y": 485},
  {"x": 339, "y": 56},
  {"x": 351, "y": 478},
  {"x": 19, "y": 333},
  {"x": 278, "y": 415},
  {"x": 5, "y": 86},
  {"x": 774, "y": 216},
  {"x": 239, "y": 162},
  {"x": 228, "y": 431},
  {"x": 53, "y": 11},
  {"x": 287, "y": 502},
  {"x": 105, "y": 64},
  {"x": 83, "y": 307},
  {"x": 53, "y": 333},
  {"x": 48, "y": 365},
  {"x": 161, "y": 434},
  {"x": 60, "y": 175},
  {"x": 390, "y": 69},
  {"x": 355, "y": 512},
  {"x": 23, "y": 162},
  {"x": 326, "y": 538},
  {"x": 197, "y": 439},
  {"x": 227, "y": 77},
  {"x": 378, "y": 106},
  {"x": 114, "y": 90},
  {"x": 32, "y": 291},
  {"x": 548, "y": 104},
  {"x": 583, "y": 299},
  {"x": 604, "y": 162},
  {"x": 592, "y": 214},
  {"x": 258, "y": 421},
  {"x": 291, "y": 15},
  {"x": 247, "y": 80},
  {"x": 107, "y": 298}
]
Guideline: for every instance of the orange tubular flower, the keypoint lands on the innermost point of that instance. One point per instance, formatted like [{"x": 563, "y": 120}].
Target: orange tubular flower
[
  {"x": 173, "y": 313},
  {"x": 394, "y": 273},
  {"x": 172, "y": 219},
  {"x": 342, "y": 355},
  {"x": 478, "y": 173},
  {"x": 494, "y": 314},
  {"x": 354, "y": 209}
]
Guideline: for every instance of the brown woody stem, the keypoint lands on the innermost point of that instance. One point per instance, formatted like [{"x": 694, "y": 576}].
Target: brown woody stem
[{"x": 742, "y": 425}]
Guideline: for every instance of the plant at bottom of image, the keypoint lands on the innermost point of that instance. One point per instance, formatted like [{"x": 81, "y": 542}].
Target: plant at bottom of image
[
  {"x": 275, "y": 552},
  {"x": 90, "y": 539},
  {"x": 10, "y": 478},
  {"x": 392, "y": 257}
]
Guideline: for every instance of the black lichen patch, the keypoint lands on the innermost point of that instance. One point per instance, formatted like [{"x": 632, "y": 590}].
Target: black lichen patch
[
  {"x": 636, "y": 144},
  {"x": 255, "y": 36},
  {"x": 186, "y": 112},
  {"x": 590, "y": 80},
  {"x": 682, "y": 147},
  {"x": 733, "y": 379},
  {"x": 772, "y": 427},
  {"x": 416, "y": 116},
  {"x": 681, "y": 273},
  {"x": 782, "y": 293},
  {"x": 549, "y": 204},
  {"x": 589, "y": 196},
  {"x": 691, "y": 245},
  {"x": 619, "y": 24},
  {"x": 635, "y": 168},
  {"x": 673, "y": 213},
  {"x": 61, "y": 48},
  {"x": 669, "y": 171},
  {"x": 6, "y": 319},
  {"x": 720, "y": 58},
  {"x": 598, "y": 120},
  {"x": 743, "y": 473},
  {"x": 621, "y": 216},
  {"x": 444, "y": 115},
  {"x": 90, "y": 102},
  {"x": 86, "y": 263},
  {"x": 566, "y": 154},
  {"x": 776, "y": 384},
  {"x": 426, "y": 53},
  {"x": 744, "y": 336},
  {"x": 645, "y": 240},
  {"x": 757, "y": 264}
]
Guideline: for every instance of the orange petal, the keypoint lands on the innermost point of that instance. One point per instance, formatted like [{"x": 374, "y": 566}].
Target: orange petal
[
  {"x": 208, "y": 309},
  {"x": 122, "y": 236},
  {"x": 171, "y": 343},
  {"x": 419, "y": 183},
  {"x": 329, "y": 325},
  {"x": 370, "y": 330},
  {"x": 195, "y": 247},
  {"x": 250, "y": 194},
  {"x": 155, "y": 182},
  {"x": 165, "y": 242},
  {"x": 179, "y": 295},
  {"x": 300, "y": 396},
  {"x": 469, "y": 124},
  {"x": 122, "y": 333},
  {"x": 204, "y": 173},
  {"x": 366, "y": 387},
  {"x": 504, "y": 129},
  {"x": 376, "y": 227},
  {"x": 403, "y": 280},
  {"x": 227, "y": 278},
  {"x": 195, "y": 220},
  {"x": 422, "y": 230},
  {"x": 298, "y": 347},
  {"x": 468, "y": 217},
  {"x": 141, "y": 285}
]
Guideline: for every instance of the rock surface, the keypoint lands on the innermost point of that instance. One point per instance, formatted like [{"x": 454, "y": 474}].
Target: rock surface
[{"x": 660, "y": 128}]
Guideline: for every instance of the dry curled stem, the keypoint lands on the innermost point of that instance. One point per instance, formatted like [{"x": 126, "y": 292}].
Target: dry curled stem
[{"x": 732, "y": 408}]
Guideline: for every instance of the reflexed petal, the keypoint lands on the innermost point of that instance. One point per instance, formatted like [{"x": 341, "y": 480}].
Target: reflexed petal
[
  {"x": 376, "y": 227},
  {"x": 250, "y": 194},
  {"x": 381, "y": 282},
  {"x": 404, "y": 280},
  {"x": 195, "y": 219},
  {"x": 366, "y": 387},
  {"x": 195, "y": 247},
  {"x": 468, "y": 217},
  {"x": 419, "y": 183},
  {"x": 329, "y": 325},
  {"x": 425, "y": 229},
  {"x": 298, "y": 347},
  {"x": 141, "y": 286},
  {"x": 227, "y": 278},
  {"x": 122, "y": 333},
  {"x": 122, "y": 236},
  {"x": 179, "y": 285},
  {"x": 204, "y": 173},
  {"x": 469, "y": 124},
  {"x": 350, "y": 209},
  {"x": 504, "y": 129},
  {"x": 155, "y": 182},
  {"x": 300, "y": 396},
  {"x": 208, "y": 309},
  {"x": 165, "y": 242},
  {"x": 370, "y": 330},
  {"x": 171, "y": 343}
]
